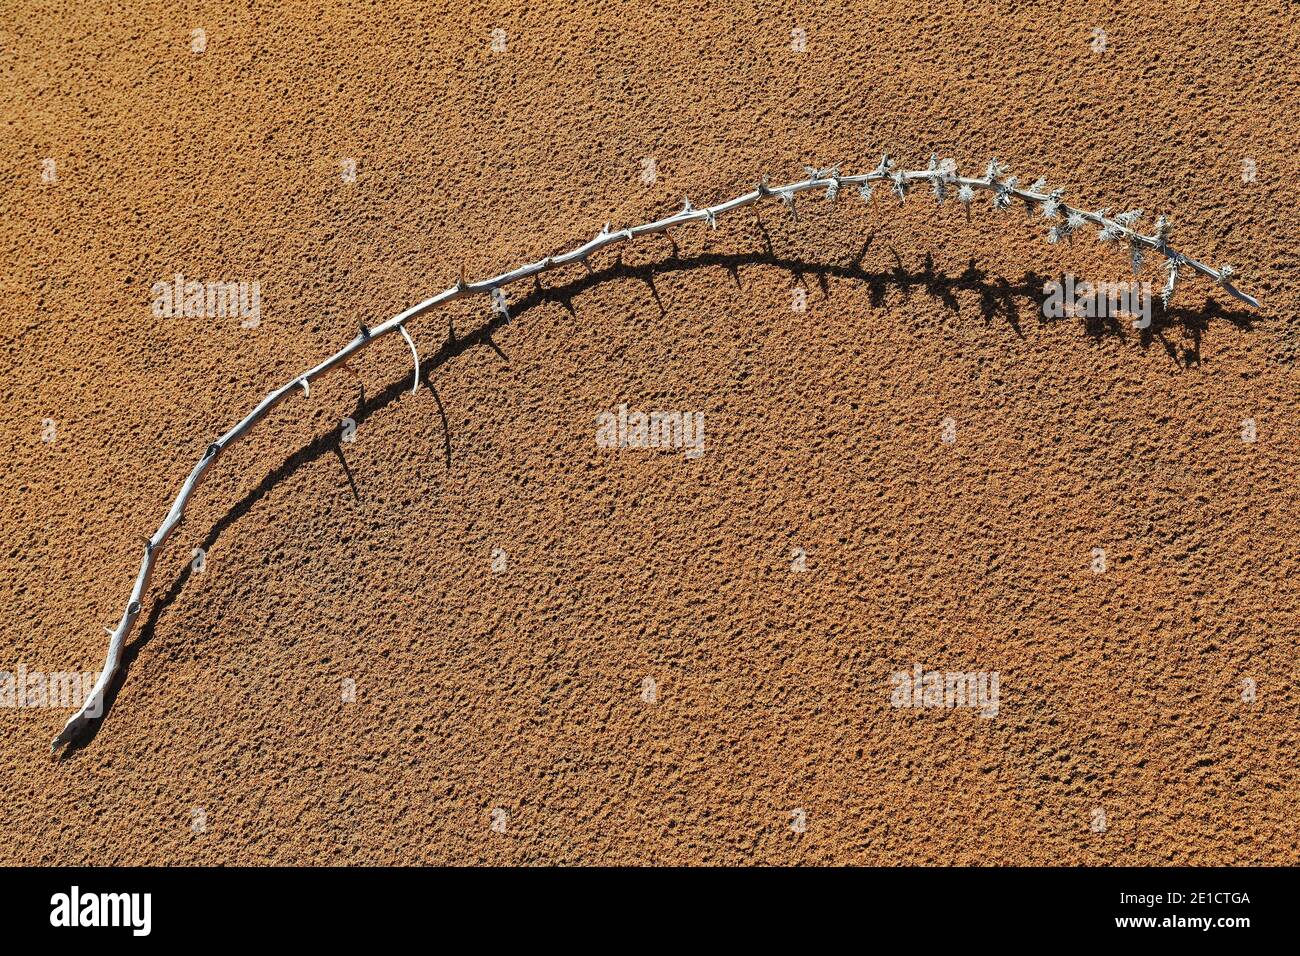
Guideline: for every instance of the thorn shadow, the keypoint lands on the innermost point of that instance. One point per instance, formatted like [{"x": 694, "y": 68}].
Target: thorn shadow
[{"x": 997, "y": 298}]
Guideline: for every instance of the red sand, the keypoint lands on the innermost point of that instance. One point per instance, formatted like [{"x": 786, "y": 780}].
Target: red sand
[{"x": 522, "y": 691}]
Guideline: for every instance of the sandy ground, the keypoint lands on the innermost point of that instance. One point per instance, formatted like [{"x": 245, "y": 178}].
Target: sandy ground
[{"x": 502, "y": 713}]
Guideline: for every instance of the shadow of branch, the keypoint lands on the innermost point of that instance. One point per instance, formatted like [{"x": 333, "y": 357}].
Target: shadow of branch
[{"x": 997, "y": 298}]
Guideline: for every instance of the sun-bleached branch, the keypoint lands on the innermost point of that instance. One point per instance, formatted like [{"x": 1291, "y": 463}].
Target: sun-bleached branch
[{"x": 942, "y": 177}]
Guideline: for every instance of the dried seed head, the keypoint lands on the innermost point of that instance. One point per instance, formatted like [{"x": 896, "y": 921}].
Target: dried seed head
[
  {"x": 787, "y": 197},
  {"x": 1002, "y": 193},
  {"x": 995, "y": 169},
  {"x": 1162, "y": 231},
  {"x": 966, "y": 195},
  {"x": 1171, "y": 282},
  {"x": 865, "y": 192},
  {"x": 1128, "y": 220},
  {"x": 901, "y": 186},
  {"x": 1065, "y": 230},
  {"x": 938, "y": 178},
  {"x": 1052, "y": 204}
]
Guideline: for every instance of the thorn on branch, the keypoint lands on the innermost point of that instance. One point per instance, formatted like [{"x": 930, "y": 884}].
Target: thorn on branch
[
  {"x": 1162, "y": 233},
  {"x": 787, "y": 197},
  {"x": 1037, "y": 186},
  {"x": 994, "y": 170},
  {"x": 966, "y": 196},
  {"x": 1002, "y": 192},
  {"x": 832, "y": 173},
  {"x": 415, "y": 382},
  {"x": 1052, "y": 204},
  {"x": 901, "y": 186},
  {"x": 306, "y": 386},
  {"x": 499, "y": 303},
  {"x": 938, "y": 179},
  {"x": 1066, "y": 229},
  {"x": 1172, "y": 268},
  {"x": 1110, "y": 232},
  {"x": 1128, "y": 220}
]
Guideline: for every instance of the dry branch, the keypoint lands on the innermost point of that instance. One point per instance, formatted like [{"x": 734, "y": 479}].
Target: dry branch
[{"x": 1065, "y": 221}]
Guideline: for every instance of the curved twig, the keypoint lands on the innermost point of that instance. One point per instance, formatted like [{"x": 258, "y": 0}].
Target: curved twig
[
  {"x": 415, "y": 381},
  {"x": 1065, "y": 221}
]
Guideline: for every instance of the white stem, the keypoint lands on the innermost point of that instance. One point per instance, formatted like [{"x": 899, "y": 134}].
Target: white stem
[{"x": 92, "y": 708}]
